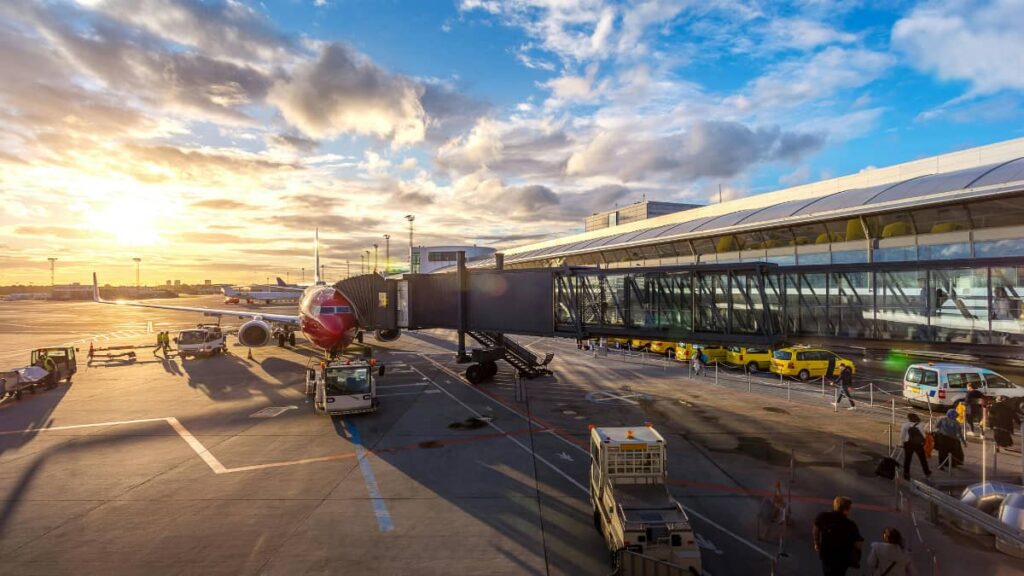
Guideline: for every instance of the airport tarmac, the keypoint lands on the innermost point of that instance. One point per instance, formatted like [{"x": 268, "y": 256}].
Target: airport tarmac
[{"x": 219, "y": 465}]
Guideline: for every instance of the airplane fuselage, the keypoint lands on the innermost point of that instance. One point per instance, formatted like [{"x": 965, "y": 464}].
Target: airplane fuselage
[{"x": 327, "y": 318}]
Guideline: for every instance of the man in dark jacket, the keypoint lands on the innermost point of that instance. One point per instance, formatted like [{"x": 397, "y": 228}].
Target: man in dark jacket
[
  {"x": 837, "y": 539},
  {"x": 844, "y": 381}
]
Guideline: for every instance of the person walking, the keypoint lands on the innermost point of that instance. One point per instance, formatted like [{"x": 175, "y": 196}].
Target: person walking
[
  {"x": 167, "y": 343},
  {"x": 889, "y": 557},
  {"x": 949, "y": 440},
  {"x": 837, "y": 539},
  {"x": 973, "y": 404},
  {"x": 698, "y": 361},
  {"x": 159, "y": 343},
  {"x": 913, "y": 443},
  {"x": 844, "y": 381}
]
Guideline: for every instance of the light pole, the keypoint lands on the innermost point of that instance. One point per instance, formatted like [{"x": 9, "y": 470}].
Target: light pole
[
  {"x": 362, "y": 265},
  {"x": 367, "y": 267},
  {"x": 411, "y": 218},
  {"x": 52, "y": 260},
  {"x": 387, "y": 253},
  {"x": 138, "y": 263},
  {"x": 374, "y": 257},
  {"x": 348, "y": 269},
  {"x": 303, "y": 275},
  {"x": 322, "y": 276}
]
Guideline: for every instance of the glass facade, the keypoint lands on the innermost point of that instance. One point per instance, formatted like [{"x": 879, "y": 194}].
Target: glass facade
[{"x": 956, "y": 303}]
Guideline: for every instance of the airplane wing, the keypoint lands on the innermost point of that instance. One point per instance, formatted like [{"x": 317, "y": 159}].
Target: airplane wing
[{"x": 282, "y": 318}]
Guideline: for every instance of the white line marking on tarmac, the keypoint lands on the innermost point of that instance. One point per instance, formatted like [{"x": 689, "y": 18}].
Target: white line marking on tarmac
[
  {"x": 581, "y": 449},
  {"x": 272, "y": 411},
  {"x": 407, "y": 393},
  {"x": 506, "y": 434},
  {"x": 192, "y": 442},
  {"x": 383, "y": 386}
]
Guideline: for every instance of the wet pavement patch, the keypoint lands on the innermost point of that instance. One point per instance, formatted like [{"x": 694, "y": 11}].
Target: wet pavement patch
[
  {"x": 469, "y": 424},
  {"x": 430, "y": 444},
  {"x": 775, "y": 410}
]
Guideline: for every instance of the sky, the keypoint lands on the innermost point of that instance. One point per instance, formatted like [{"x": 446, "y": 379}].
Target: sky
[{"x": 210, "y": 138}]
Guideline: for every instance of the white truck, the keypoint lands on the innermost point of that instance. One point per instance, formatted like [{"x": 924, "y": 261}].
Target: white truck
[
  {"x": 204, "y": 339},
  {"x": 633, "y": 509},
  {"x": 342, "y": 386}
]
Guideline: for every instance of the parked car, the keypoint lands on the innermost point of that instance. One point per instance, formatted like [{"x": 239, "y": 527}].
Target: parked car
[
  {"x": 714, "y": 352},
  {"x": 662, "y": 347},
  {"x": 944, "y": 385},
  {"x": 754, "y": 359},
  {"x": 806, "y": 362}
]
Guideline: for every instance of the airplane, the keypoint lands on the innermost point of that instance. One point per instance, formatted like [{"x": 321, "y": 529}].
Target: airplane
[
  {"x": 233, "y": 295},
  {"x": 325, "y": 317}
]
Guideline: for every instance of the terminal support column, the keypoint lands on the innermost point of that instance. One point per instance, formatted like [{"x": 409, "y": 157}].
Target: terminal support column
[{"x": 463, "y": 280}]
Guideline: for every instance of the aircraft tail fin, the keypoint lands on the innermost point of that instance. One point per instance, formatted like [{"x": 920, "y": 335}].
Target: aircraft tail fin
[
  {"x": 281, "y": 282},
  {"x": 95, "y": 289},
  {"x": 316, "y": 258}
]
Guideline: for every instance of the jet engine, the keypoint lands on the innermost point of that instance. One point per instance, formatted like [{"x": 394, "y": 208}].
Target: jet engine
[
  {"x": 254, "y": 333},
  {"x": 387, "y": 335}
]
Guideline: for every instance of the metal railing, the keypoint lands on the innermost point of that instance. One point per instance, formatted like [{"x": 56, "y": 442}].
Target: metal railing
[{"x": 937, "y": 500}]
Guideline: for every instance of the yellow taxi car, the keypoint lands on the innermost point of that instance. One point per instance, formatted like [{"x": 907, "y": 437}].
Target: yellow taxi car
[
  {"x": 617, "y": 342},
  {"x": 806, "y": 362},
  {"x": 754, "y": 359},
  {"x": 686, "y": 350},
  {"x": 662, "y": 347},
  {"x": 635, "y": 344}
]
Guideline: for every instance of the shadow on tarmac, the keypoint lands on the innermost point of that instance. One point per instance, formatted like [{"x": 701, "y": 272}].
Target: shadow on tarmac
[{"x": 32, "y": 411}]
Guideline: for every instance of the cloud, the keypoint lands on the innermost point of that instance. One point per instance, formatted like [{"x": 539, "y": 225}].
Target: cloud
[
  {"x": 220, "y": 204},
  {"x": 64, "y": 232},
  {"x": 793, "y": 83},
  {"x": 979, "y": 42},
  {"x": 707, "y": 149},
  {"x": 293, "y": 142},
  {"x": 342, "y": 91},
  {"x": 144, "y": 66},
  {"x": 203, "y": 165},
  {"x": 220, "y": 28},
  {"x": 526, "y": 147},
  {"x": 803, "y": 34}
]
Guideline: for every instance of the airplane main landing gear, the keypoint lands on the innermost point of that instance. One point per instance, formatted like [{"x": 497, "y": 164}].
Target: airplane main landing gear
[{"x": 478, "y": 373}]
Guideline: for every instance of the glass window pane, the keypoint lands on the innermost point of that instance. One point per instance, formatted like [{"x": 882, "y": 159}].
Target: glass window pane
[
  {"x": 783, "y": 259},
  {"x": 944, "y": 251},
  {"x": 902, "y": 298},
  {"x": 890, "y": 225},
  {"x": 810, "y": 234},
  {"x": 777, "y": 238},
  {"x": 1002, "y": 212},
  {"x": 1007, "y": 308},
  {"x": 728, "y": 243},
  {"x": 959, "y": 305},
  {"x": 896, "y": 254},
  {"x": 992, "y": 248},
  {"x": 815, "y": 258},
  {"x": 941, "y": 219},
  {"x": 704, "y": 246},
  {"x": 845, "y": 230},
  {"x": 849, "y": 256}
]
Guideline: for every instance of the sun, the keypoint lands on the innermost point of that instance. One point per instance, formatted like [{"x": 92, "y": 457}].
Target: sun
[{"x": 132, "y": 221}]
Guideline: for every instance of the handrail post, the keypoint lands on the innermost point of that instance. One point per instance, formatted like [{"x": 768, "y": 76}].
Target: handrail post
[
  {"x": 871, "y": 394},
  {"x": 748, "y": 377},
  {"x": 822, "y": 384}
]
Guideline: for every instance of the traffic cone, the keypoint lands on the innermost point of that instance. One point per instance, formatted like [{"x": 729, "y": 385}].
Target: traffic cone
[{"x": 249, "y": 357}]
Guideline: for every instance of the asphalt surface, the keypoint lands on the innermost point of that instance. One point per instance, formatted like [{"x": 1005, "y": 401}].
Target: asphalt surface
[{"x": 167, "y": 467}]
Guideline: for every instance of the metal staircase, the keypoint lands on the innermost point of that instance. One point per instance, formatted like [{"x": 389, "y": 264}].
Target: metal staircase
[{"x": 517, "y": 355}]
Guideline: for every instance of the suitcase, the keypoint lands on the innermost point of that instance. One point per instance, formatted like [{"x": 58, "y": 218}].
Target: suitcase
[{"x": 886, "y": 468}]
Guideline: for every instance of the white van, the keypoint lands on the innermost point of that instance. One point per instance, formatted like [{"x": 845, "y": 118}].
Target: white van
[{"x": 942, "y": 385}]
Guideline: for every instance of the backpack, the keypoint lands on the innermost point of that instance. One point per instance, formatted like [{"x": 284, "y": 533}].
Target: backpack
[
  {"x": 914, "y": 436},
  {"x": 886, "y": 468}
]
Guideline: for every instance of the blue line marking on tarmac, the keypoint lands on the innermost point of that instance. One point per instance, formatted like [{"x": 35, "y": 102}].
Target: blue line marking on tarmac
[{"x": 380, "y": 507}]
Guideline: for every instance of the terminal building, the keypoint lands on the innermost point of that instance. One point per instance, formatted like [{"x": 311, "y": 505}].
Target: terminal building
[
  {"x": 633, "y": 213},
  {"x": 427, "y": 259},
  {"x": 926, "y": 251}
]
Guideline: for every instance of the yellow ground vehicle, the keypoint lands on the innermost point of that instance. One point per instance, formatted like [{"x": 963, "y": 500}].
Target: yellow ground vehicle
[
  {"x": 753, "y": 358},
  {"x": 715, "y": 352},
  {"x": 806, "y": 362},
  {"x": 639, "y": 344},
  {"x": 662, "y": 347},
  {"x": 622, "y": 342}
]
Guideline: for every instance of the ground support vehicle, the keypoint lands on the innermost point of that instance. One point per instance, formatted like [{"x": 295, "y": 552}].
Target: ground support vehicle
[
  {"x": 632, "y": 506},
  {"x": 204, "y": 339},
  {"x": 33, "y": 376},
  {"x": 342, "y": 386},
  {"x": 806, "y": 362},
  {"x": 943, "y": 385}
]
